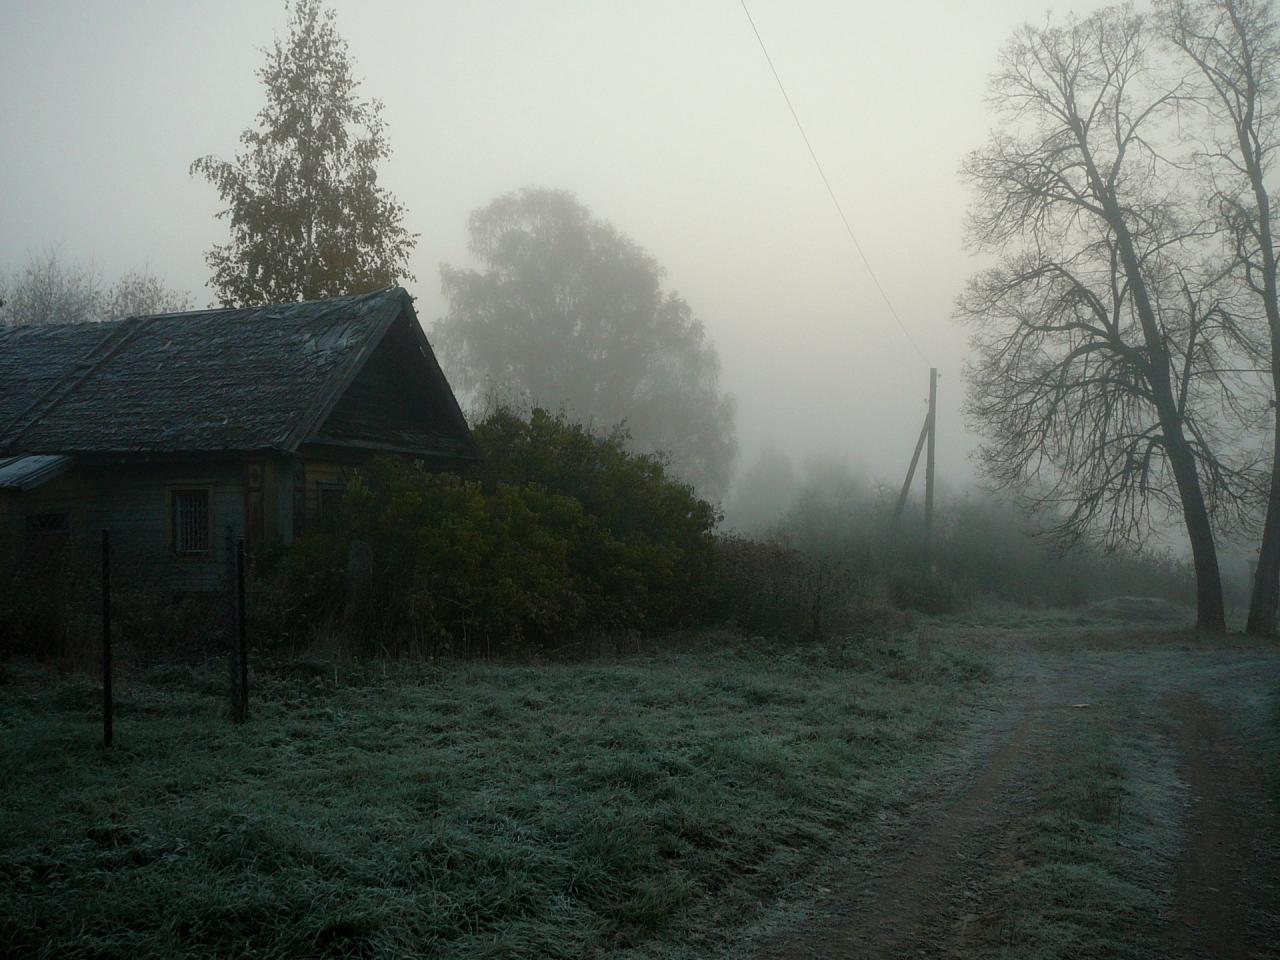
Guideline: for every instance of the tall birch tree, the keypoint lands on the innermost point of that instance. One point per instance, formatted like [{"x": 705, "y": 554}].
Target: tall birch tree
[{"x": 308, "y": 217}]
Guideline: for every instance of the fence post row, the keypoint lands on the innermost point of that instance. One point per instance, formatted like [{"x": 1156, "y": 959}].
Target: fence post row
[{"x": 239, "y": 652}]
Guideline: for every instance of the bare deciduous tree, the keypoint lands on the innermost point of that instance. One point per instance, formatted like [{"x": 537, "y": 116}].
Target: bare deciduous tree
[
  {"x": 1096, "y": 345},
  {"x": 53, "y": 289},
  {"x": 140, "y": 292},
  {"x": 1235, "y": 49}
]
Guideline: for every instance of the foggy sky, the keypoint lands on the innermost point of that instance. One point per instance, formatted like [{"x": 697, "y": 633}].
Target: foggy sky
[{"x": 661, "y": 115}]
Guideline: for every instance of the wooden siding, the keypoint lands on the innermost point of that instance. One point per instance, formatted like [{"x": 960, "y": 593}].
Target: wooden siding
[
  {"x": 10, "y": 531},
  {"x": 133, "y": 502},
  {"x": 283, "y": 498},
  {"x": 391, "y": 404}
]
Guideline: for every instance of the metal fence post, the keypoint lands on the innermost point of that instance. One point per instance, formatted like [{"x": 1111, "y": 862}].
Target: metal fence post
[
  {"x": 107, "y": 704},
  {"x": 233, "y": 627},
  {"x": 242, "y": 646}
]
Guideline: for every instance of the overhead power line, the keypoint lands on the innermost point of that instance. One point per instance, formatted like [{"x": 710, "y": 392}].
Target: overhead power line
[{"x": 827, "y": 183}]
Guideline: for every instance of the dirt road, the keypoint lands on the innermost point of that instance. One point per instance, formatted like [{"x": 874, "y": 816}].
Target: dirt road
[{"x": 1115, "y": 802}]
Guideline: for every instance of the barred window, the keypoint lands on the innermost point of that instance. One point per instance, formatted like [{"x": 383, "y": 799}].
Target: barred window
[
  {"x": 190, "y": 515},
  {"x": 47, "y": 523}
]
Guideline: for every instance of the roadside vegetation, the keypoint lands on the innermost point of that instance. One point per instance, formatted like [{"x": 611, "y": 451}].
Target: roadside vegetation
[
  {"x": 562, "y": 539},
  {"x": 560, "y": 533},
  {"x": 463, "y": 810},
  {"x": 563, "y": 536}
]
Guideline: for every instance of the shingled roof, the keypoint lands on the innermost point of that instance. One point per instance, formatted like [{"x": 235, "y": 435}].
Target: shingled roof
[
  {"x": 35, "y": 358},
  {"x": 260, "y": 379}
]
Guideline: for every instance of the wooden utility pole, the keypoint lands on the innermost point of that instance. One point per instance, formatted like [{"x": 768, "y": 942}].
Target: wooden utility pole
[
  {"x": 926, "y": 442},
  {"x": 928, "y": 468},
  {"x": 237, "y": 648}
]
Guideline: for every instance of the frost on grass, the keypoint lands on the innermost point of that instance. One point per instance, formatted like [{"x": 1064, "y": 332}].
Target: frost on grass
[{"x": 482, "y": 811}]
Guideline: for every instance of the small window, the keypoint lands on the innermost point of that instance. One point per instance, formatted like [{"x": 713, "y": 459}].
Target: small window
[
  {"x": 329, "y": 496},
  {"x": 190, "y": 514},
  {"x": 47, "y": 523},
  {"x": 46, "y": 539}
]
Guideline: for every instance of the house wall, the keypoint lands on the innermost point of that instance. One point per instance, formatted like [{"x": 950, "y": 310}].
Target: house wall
[
  {"x": 266, "y": 500},
  {"x": 282, "y": 495},
  {"x": 133, "y": 503},
  {"x": 10, "y": 528}
]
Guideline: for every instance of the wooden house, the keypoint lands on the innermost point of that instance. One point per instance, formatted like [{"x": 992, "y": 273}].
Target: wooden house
[{"x": 179, "y": 431}]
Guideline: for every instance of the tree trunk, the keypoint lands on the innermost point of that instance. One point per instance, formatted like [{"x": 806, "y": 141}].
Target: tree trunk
[
  {"x": 1266, "y": 579},
  {"x": 1210, "y": 610},
  {"x": 1244, "y": 114}
]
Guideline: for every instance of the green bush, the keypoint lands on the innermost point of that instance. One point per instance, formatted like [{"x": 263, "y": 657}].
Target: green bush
[
  {"x": 564, "y": 533},
  {"x": 448, "y": 568},
  {"x": 648, "y": 555}
]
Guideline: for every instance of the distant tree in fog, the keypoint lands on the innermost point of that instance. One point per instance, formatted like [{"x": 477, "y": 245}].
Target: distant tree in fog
[
  {"x": 140, "y": 292},
  {"x": 53, "y": 289},
  {"x": 762, "y": 493},
  {"x": 308, "y": 218},
  {"x": 50, "y": 289},
  {"x": 568, "y": 312},
  {"x": 833, "y": 507},
  {"x": 1100, "y": 376}
]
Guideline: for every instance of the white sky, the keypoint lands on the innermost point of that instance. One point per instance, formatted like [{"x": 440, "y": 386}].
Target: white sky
[{"x": 661, "y": 115}]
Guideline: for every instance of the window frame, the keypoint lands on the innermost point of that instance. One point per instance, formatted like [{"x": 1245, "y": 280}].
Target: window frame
[
  {"x": 326, "y": 489},
  {"x": 175, "y": 492},
  {"x": 46, "y": 536},
  {"x": 41, "y": 522}
]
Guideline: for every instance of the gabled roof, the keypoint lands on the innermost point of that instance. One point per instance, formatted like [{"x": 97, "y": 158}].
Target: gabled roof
[{"x": 259, "y": 379}]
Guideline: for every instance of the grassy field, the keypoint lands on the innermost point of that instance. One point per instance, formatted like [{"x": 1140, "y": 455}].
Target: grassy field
[{"x": 644, "y": 806}]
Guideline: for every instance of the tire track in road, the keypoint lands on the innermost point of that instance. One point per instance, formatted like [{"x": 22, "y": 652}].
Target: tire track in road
[
  {"x": 929, "y": 866},
  {"x": 1218, "y": 875},
  {"x": 924, "y": 888}
]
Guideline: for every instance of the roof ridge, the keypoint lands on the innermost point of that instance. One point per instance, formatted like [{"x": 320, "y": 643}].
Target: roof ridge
[{"x": 123, "y": 333}]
